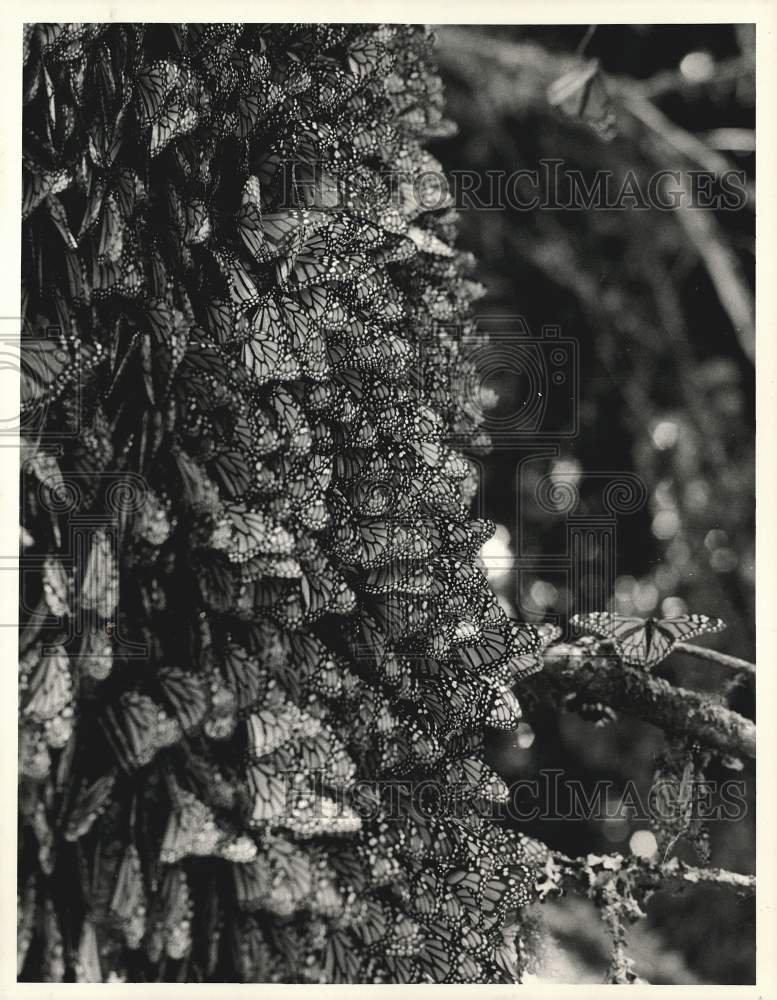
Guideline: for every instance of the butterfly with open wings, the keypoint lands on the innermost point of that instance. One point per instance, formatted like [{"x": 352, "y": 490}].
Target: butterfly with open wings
[{"x": 645, "y": 642}]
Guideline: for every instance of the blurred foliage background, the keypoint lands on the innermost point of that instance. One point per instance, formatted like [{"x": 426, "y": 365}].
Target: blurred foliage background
[{"x": 660, "y": 306}]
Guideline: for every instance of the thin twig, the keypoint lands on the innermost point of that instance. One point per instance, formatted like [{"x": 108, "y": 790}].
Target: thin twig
[
  {"x": 677, "y": 870},
  {"x": 669, "y": 81},
  {"x": 647, "y": 873},
  {"x": 735, "y": 140},
  {"x": 723, "y": 659},
  {"x": 582, "y": 45}
]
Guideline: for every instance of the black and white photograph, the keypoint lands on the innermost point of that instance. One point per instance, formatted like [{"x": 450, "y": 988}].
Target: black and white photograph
[{"x": 380, "y": 412}]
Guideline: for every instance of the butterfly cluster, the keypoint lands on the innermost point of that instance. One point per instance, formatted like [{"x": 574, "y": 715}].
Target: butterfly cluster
[{"x": 251, "y": 602}]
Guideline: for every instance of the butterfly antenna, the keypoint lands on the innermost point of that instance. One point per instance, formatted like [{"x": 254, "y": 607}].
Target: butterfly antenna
[
  {"x": 669, "y": 847},
  {"x": 583, "y": 43}
]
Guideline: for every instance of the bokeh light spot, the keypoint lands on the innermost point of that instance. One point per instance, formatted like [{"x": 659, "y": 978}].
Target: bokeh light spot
[
  {"x": 666, "y": 524},
  {"x": 646, "y": 597},
  {"x": 665, "y": 434},
  {"x": 497, "y": 556},
  {"x": 543, "y": 594},
  {"x": 673, "y": 607},
  {"x": 643, "y": 843},
  {"x": 698, "y": 67},
  {"x": 524, "y": 736}
]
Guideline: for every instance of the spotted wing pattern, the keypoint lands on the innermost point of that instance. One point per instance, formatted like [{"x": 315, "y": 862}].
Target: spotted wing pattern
[
  {"x": 646, "y": 642},
  {"x": 248, "y": 259}
]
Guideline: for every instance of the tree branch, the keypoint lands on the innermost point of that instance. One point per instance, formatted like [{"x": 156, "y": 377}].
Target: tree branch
[
  {"x": 677, "y": 871},
  {"x": 678, "y": 711},
  {"x": 643, "y": 874}
]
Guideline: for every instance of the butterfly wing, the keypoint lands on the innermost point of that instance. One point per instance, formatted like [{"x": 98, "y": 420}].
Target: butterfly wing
[
  {"x": 642, "y": 646},
  {"x": 628, "y": 634},
  {"x": 581, "y": 94},
  {"x": 688, "y": 627}
]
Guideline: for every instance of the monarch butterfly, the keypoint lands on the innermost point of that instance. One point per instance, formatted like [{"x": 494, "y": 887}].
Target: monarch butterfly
[
  {"x": 249, "y": 218},
  {"x": 39, "y": 184},
  {"x": 372, "y": 925},
  {"x": 318, "y": 815},
  {"x": 402, "y": 576},
  {"x": 269, "y": 729},
  {"x": 293, "y": 874},
  {"x": 130, "y": 191},
  {"x": 464, "y": 539},
  {"x": 365, "y": 56},
  {"x": 426, "y": 895},
  {"x": 244, "y": 675},
  {"x": 503, "y": 710},
  {"x": 471, "y": 775},
  {"x": 231, "y": 472},
  {"x": 323, "y": 591},
  {"x": 123, "y": 277},
  {"x": 191, "y": 829},
  {"x": 251, "y": 532},
  {"x": 323, "y": 753},
  {"x": 50, "y": 689},
  {"x": 59, "y": 219},
  {"x": 216, "y": 582},
  {"x": 90, "y": 802},
  {"x": 645, "y": 642},
  {"x": 136, "y": 728},
  {"x": 307, "y": 343},
  {"x": 187, "y": 695},
  {"x": 46, "y": 368},
  {"x": 437, "y": 957},
  {"x": 267, "y": 353},
  {"x": 153, "y": 85},
  {"x": 240, "y": 283},
  {"x": 269, "y": 791},
  {"x": 497, "y": 644},
  {"x": 315, "y": 269},
  {"x": 253, "y": 107},
  {"x": 176, "y": 120},
  {"x": 128, "y": 903},
  {"x": 527, "y": 663},
  {"x": 581, "y": 94},
  {"x": 252, "y": 883},
  {"x": 286, "y": 232},
  {"x": 462, "y": 705},
  {"x": 342, "y": 962}
]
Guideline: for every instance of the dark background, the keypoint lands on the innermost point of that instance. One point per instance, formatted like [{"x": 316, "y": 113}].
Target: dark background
[{"x": 659, "y": 307}]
